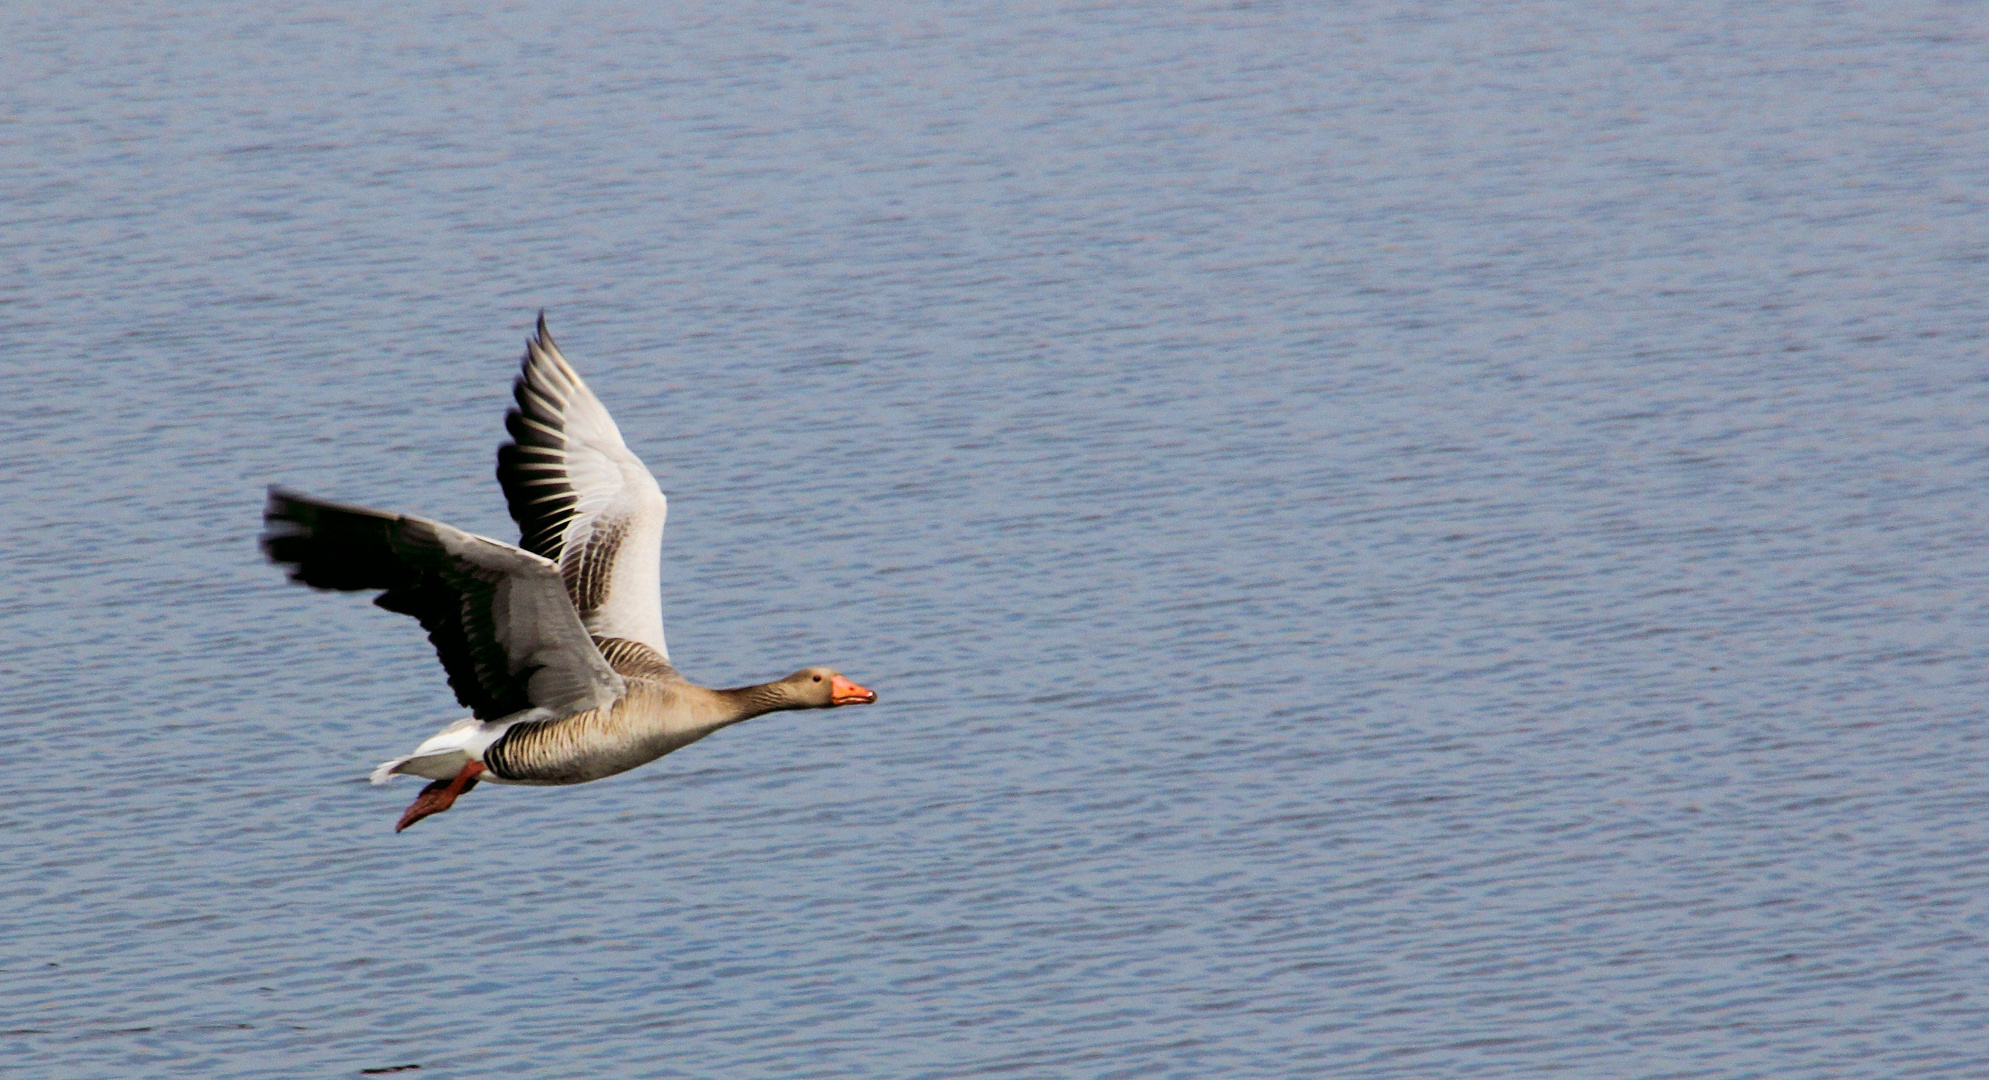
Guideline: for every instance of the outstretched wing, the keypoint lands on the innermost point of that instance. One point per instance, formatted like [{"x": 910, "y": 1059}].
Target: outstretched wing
[
  {"x": 582, "y": 499},
  {"x": 499, "y": 617}
]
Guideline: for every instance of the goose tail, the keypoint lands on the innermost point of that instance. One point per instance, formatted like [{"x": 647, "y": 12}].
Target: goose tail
[
  {"x": 444, "y": 751},
  {"x": 387, "y": 770}
]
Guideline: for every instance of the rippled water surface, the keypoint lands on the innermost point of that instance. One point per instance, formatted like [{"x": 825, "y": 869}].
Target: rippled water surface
[{"x": 1396, "y": 540}]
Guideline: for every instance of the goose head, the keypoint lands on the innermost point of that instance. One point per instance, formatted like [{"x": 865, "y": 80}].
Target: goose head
[{"x": 825, "y": 688}]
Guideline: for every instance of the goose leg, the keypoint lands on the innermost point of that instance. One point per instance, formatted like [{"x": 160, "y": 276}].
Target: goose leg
[{"x": 440, "y": 795}]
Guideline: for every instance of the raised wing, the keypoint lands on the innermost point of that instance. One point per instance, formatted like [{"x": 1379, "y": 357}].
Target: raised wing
[
  {"x": 582, "y": 499},
  {"x": 499, "y": 617}
]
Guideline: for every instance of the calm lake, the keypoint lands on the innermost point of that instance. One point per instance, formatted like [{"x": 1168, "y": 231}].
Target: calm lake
[{"x": 1394, "y": 540}]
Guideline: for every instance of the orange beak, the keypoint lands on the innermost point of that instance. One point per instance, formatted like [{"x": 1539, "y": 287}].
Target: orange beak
[{"x": 844, "y": 692}]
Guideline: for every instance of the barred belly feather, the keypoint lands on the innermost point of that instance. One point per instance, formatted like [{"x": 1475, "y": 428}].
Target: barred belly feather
[{"x": 660, "y": 712}]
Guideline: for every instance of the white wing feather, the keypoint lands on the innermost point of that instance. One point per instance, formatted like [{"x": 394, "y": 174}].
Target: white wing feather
[{"x": 584, "y": 500}]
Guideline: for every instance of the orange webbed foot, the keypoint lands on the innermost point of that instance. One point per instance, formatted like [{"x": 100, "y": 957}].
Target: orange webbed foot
[{"x": 440, "y": 795}]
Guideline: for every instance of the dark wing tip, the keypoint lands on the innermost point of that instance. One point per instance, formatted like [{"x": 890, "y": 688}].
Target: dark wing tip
[
  {"x": 286, "y": 527},
  {"x": 280, "y": 504},
  {"x": 329, "y": 545}
]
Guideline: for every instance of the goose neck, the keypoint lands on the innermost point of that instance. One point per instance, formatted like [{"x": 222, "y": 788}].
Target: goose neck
[{"x": 746, "y": 702}]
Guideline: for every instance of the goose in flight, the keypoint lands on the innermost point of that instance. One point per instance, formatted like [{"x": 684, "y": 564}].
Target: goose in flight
[{"x": 554, "y": 645}]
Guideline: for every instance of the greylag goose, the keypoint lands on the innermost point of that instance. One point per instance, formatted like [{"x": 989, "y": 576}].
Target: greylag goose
[{"x": 555, "y": 645}]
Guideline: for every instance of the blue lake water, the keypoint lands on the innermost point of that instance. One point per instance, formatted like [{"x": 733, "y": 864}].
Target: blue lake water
[{"x": 1395, "y": 540}]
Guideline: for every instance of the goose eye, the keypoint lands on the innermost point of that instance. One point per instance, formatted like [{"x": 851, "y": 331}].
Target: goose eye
[{"x": 818, "y": 678}]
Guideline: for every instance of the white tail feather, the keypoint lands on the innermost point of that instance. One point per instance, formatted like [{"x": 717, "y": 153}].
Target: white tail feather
[
  {"x": 443, "y": 754},
  {"x": 453, "y": 740},
  {"x": 387, "y": 770}
]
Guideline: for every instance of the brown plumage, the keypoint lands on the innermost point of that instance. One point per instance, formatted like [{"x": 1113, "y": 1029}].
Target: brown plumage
[
  {"x": 557, "y": 646},
  {"x": 660, "y": 712}
]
